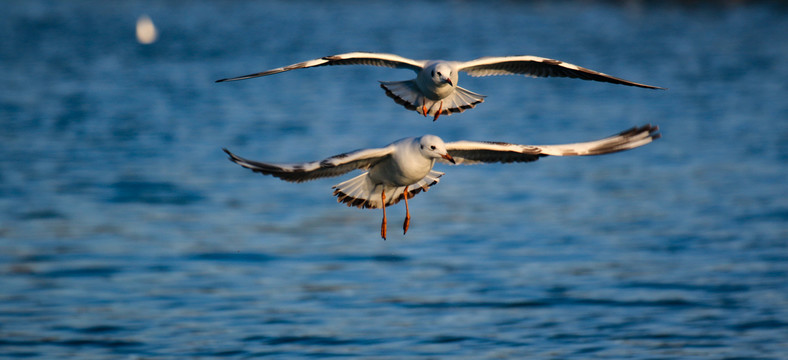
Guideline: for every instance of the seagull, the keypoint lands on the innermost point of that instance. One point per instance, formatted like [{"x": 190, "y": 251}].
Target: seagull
[
  {"x": 434, "y": 91},
  {"x": 404, "y": 168}
]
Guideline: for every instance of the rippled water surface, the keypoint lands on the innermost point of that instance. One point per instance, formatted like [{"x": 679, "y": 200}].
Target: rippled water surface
[{"x": 125, "y": 232}]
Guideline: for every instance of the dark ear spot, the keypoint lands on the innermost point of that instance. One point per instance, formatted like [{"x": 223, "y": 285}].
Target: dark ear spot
[{"x": 422, "y": 147}]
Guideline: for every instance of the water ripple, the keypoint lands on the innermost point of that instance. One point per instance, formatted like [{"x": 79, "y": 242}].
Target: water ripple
[
  {"x": 152, "y": 192},
  {"x": 551, "y": 302},
  {"x": 246, "y": 257},
  {"x": 87, "y": 271}
]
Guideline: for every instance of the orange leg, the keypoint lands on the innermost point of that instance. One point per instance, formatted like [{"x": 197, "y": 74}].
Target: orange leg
[
  {"x": 439, "y": 112},
  {"x": 406, "y": 225},
  {"x": 383, "y": 224}
]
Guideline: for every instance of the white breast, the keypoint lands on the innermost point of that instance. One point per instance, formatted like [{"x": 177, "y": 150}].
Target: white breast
[{"x": 405, "y": 167}]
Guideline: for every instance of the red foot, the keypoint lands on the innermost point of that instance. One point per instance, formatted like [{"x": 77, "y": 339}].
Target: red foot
[{"x": 438, "y": 113}]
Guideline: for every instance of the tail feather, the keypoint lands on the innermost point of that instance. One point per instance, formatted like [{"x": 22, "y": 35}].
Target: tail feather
[
  {"x": 356, "y": 192},
  {"x": 398, "y": 193},
  {"x": 407, "y": 94},
  {"x": 460, "y": 101},
  {"x": 362, "y": 193}
]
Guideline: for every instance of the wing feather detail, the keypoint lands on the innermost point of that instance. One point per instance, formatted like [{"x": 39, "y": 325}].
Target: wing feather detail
[
  {"x": 354, "y": 58},
  {"x": 535, "y": 66},
  {"x": 333, "y": 166},
  {"x": 475, "y": 152}
]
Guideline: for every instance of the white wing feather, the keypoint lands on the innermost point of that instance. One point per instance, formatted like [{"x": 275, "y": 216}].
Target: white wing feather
[
  {"x": 538, "y": 67},
  {"x": 475, "y": 152},
  {"x": 354, "y": 58},
  {"x": 333, "y": 166}
]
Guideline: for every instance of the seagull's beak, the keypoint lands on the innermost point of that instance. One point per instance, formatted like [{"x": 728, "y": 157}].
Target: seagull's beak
[
  {"x": 448, "y": 80},
  {"x": 449, "y": 158}
]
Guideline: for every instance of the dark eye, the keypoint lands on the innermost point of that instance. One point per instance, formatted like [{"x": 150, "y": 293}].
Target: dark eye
[{"x": 432, "y": 147}]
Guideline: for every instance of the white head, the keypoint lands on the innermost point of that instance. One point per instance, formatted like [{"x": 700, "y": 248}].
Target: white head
[
  {"x": 432, "y": 147},
  {"x": 442, "y": 73}
]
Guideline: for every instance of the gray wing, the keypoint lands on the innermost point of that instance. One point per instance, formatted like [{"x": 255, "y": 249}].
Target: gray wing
[
  {"x": 538, "y": 67},
  {"x": 354, "y": 58},
  {"x": 475, "y": 152},
  {"x": 333, "y": 166}
]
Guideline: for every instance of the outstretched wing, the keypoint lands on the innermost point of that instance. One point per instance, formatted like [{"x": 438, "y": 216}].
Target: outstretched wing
[
  {"x": 538, "y": 67},
  {"x": 354, "y": 58},
  {"x": 474, "y": 152},
  {"x": 333, "y": 166}
]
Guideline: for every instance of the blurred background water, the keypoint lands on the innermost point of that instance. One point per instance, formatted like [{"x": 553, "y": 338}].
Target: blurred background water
[{"x": 125, "y": 232}]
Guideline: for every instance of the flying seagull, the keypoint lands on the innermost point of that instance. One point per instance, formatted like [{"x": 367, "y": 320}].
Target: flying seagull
[
  {"x": 404, "y": 168},
  {"x": 434, "y": 91}
]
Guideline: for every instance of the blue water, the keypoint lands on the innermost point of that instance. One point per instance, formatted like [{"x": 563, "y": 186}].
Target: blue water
[{"x": 126, "y": 233}]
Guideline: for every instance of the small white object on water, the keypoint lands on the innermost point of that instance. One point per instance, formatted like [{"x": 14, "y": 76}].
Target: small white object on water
[{"x": 146, "y": 31}]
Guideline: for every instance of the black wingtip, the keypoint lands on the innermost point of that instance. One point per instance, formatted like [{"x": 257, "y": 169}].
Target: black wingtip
[
  {"x": 653, "y": 131},
  {"x": 653, "y": 87},
  {"x": 232, "y": 157}
]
